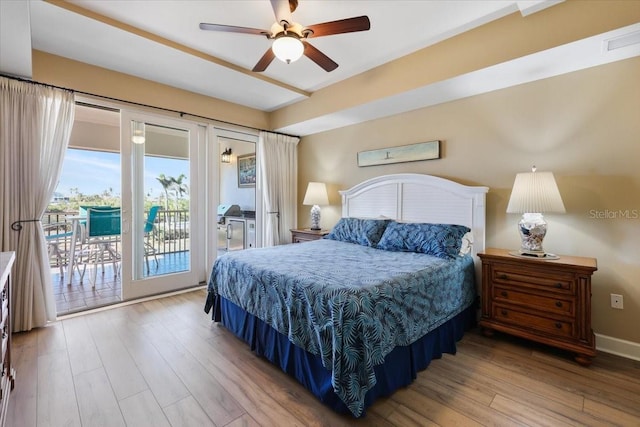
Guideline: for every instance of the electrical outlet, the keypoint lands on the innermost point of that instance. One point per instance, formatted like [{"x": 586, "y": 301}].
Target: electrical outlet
[{"x": 617, "y": 301}]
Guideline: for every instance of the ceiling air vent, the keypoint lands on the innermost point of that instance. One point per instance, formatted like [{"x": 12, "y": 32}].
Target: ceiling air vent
[{"x": 622, "y": 41}]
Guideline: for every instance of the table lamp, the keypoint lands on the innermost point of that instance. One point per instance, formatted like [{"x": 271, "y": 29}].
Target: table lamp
[
  {"x": 316, "y": 195},
  {"x": 533, "y": 194}
]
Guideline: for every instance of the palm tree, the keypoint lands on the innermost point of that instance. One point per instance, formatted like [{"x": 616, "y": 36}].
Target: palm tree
[
  {"x": 179, "y": 187},
  {"x": 166, "y": 183}
]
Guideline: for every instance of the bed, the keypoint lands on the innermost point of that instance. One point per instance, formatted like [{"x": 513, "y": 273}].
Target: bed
[{"x": 358, "y": 314}]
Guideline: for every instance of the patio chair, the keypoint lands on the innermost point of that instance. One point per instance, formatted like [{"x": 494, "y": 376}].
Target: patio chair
[
  {"x": 82, "y": 209},
  {"x": 102, "y": 234},
  {"x": 57, "y": 236},
  {"x": 149, "y": 233}
]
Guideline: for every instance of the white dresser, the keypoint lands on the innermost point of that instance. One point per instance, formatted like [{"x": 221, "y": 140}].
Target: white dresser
[{"x": 8, "y": 373}]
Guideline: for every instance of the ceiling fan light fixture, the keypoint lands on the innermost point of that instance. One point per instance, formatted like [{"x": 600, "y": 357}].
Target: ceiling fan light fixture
[{"x": 287, "y": 48}]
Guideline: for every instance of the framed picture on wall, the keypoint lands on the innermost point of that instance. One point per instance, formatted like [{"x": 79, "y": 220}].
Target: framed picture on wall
[
  {"x": 404, "y": 153},
  {"x": 247, "y": 170}
]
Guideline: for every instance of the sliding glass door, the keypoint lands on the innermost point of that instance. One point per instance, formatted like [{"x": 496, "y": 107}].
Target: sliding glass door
[{"x": 162, "y": 243}]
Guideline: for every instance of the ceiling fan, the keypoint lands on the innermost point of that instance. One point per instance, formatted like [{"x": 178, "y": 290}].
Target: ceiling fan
[{"x": 290, "y": 39}]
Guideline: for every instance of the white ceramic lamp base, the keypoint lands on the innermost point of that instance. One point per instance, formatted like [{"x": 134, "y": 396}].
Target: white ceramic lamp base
[
  {"x": 532, "y": 228},
  {"x": 315, "y": 217}
]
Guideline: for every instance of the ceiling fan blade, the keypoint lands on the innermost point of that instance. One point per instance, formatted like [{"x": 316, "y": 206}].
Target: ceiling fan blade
[
  {"x": 319, "y": 58},
  {"x": 232, "y": 29},
  {"x": 349, "y": 25},
  {"x": 264, "y": 62},
  {"x": 282, "y": 10}
]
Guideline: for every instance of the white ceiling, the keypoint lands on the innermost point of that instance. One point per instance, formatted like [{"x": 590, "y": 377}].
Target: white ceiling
[{"x": 397, "y": 29}]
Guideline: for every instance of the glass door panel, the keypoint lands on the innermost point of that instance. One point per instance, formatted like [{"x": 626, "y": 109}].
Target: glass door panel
[
  {"x": 166, "y": 205},
  {"x": 160, "y": 216},
  {"x": 236, "y": 181}
]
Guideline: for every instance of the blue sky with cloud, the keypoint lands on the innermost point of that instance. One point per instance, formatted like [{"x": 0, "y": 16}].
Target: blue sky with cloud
[{"x": 93, "y": 172}]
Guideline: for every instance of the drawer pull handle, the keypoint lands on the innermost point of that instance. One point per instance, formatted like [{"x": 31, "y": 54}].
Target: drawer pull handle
[
  {"x": 558, "y": 325},
  {"x": 503, "y": 312},
  {"x": 503, "y": 276},
  {"x": 559, "y": 285},
  {"x": 503, "y": 293},
  {"x": 558, "y": 304}
]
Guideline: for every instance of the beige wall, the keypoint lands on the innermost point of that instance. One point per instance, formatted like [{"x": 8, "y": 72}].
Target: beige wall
[
  {"x": 583, "y": 126},
  {"x": 87, "y": 78},
  {"x": 497, "y": 42}
]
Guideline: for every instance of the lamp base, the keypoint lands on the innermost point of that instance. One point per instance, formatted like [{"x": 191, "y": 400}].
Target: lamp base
[
  {"x": 538, "y": 254},
  {"x": 315, "y": 217},
  {"x": 545, "y": 255},
  {"x": 532, "y": 228}
]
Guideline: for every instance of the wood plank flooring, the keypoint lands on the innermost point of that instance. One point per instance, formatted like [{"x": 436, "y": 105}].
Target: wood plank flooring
[{"x": 163, "y": 363}]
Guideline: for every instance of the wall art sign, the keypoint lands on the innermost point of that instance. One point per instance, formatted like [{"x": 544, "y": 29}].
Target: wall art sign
[{"x": 404, "y": 153}]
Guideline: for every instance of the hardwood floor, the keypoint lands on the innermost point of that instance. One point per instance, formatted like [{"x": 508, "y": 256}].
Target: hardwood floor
[{"x": 163, "y": 363}]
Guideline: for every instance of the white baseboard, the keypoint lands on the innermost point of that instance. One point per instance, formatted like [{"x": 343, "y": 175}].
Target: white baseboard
[{"x": 628, "y": 349}]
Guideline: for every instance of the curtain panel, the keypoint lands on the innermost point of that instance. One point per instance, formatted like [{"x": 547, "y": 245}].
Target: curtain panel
[
  {"x": 36, "y": 123},
  {"x": 278, "y": 158}
]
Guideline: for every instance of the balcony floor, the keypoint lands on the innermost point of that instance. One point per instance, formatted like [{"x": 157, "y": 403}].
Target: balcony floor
[{"x": 108, "y": 289}]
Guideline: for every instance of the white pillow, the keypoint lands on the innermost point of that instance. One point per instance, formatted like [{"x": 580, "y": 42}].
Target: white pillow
[{"x": 467, "y": 243}]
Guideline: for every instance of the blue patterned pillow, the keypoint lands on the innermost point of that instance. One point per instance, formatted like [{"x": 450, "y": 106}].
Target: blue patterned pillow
[
  {"x": 365, "y": 232},
  {"x": 441, "y": 240}
]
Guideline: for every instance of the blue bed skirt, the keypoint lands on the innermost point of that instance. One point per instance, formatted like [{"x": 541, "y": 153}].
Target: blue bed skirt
[{"x": 399, "y": 370}]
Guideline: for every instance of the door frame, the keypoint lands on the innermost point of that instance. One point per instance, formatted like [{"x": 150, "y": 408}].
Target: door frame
[
  {"x": 214, "y": 133},
  {"x": 156, "y": 284}
]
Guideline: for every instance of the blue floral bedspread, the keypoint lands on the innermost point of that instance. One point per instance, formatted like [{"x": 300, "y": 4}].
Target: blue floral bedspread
[{"x": 347, "y": 303}]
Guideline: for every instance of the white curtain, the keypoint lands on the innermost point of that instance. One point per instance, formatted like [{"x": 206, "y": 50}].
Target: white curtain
[
  {"x": 278, "y": 159},
  {"x": 36, "y": 123}
]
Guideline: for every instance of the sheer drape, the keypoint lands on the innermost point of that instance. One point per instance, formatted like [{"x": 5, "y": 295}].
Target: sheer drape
[
  {"x": 279, "y": 166},
  {"x": 36, "y": 123}
]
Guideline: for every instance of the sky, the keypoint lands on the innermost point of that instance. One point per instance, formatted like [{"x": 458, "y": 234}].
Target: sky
[{"x": 93, "y": 172}]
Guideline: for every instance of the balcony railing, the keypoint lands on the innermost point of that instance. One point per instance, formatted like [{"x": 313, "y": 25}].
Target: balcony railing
[{"x": 170, "y": 234}]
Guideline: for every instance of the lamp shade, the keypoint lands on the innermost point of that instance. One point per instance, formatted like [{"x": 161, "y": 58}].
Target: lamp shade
[
  {"x": 316, "y": 194},
  {"x": 535, "y": 192},
  {"x": 287, "y": 48}
]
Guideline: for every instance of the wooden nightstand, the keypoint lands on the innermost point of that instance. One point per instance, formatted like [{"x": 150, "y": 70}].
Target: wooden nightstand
[
  {"x": 548, "y": 301},
  {"x": 307, "y": 235}
]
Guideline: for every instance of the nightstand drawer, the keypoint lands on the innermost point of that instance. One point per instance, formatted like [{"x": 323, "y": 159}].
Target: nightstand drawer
[
  {"x": 307, "y": 235},
  {"x": 547, "y": 303},
  {"x": 506, "y": 315},
  {"x": 303, "y": 238},
  {"x": 557, "y": 282}
]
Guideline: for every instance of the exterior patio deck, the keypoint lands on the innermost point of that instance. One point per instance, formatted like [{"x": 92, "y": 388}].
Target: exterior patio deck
[{"x": 79, "y": 296}]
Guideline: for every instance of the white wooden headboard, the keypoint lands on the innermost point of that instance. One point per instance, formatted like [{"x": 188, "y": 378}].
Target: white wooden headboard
[{"x": 419, "y": 198}]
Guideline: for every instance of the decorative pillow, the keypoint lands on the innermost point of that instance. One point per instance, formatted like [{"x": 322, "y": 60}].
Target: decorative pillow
[
  {"x": 441, "y": 240},
  {"x": 467, "y": 243},
  {"x": 365, "y": 232}
]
